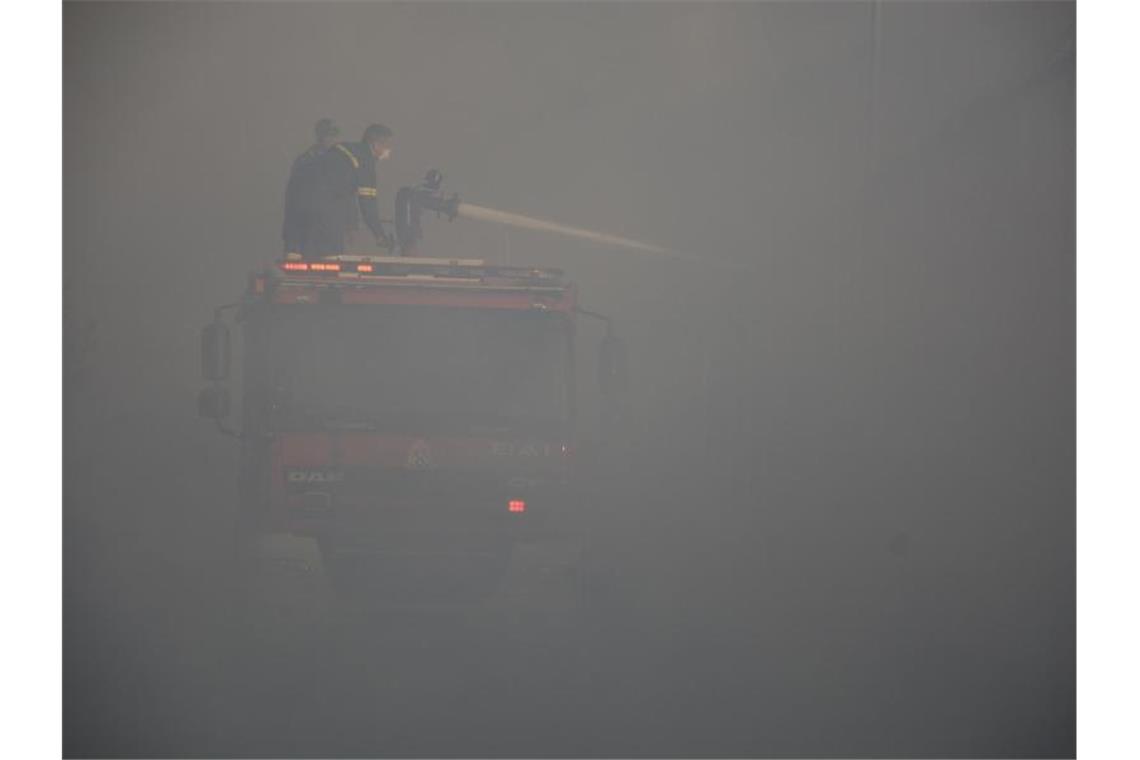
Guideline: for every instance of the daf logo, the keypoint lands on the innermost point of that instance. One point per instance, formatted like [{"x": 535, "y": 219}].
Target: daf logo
[
  {"x": 314, "y": 476},
  {"x": 420, "y": 456}
]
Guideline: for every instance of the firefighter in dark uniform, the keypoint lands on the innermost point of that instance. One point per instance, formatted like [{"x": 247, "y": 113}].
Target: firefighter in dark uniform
[
  {"x": 345, "y": 172},
  {"x": 326, "y": 132}
]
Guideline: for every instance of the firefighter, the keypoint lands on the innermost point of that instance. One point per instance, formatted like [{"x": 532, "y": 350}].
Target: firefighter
[
  {"x": 345, "y": 172},
  {"x": 326, "y": 132}
]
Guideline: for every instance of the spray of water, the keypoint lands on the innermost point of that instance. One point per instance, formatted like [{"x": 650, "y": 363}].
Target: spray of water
[{"x": 471, "y": 211}]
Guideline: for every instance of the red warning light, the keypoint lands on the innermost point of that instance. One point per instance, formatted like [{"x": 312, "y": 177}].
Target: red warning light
[
  {"x": 363, "y": 267},
  {"x": 516, "y": 505},
  {"x": 324, "y": 266},
  {"x": 295, "y": 266}
]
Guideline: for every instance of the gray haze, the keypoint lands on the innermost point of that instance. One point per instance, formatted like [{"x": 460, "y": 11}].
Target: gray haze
[{"x": 844, "y": 520}]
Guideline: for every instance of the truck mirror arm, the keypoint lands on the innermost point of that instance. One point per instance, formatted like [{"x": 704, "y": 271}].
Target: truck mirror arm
[
  {"x": 612, "y": 359},
  {"x": 228, "y": 431},
  {"x": 609, "y": 322}
]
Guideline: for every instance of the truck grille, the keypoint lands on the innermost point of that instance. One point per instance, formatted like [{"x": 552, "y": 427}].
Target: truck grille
[{"x": 417, "y": 512}]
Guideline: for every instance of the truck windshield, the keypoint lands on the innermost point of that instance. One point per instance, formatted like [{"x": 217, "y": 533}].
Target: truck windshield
[{"x": 393, "y": 365}]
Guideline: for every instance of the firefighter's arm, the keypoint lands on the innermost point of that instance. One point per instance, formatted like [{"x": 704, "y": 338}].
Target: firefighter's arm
[{"x": 366, "y": 194}]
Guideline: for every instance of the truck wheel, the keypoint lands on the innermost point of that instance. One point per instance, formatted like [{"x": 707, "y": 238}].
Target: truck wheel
[
  {"x": 543, "y": 592},
  {"x": 285, "y": 594}
]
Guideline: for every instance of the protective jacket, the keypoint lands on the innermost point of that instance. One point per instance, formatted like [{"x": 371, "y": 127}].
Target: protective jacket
[
  {"x": 321, "y": 209},
  {"x": 292, "y": 231}
]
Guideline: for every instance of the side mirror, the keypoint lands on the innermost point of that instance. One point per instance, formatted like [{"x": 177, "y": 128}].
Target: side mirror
[
  {"x": 612, "y": 377},
  {"x": 214, "y": 402},
  {"x": 215, "y": 352}
]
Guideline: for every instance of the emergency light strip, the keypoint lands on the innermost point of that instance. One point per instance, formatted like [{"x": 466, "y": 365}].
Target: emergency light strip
[
  {"x": 319, "y": 266},
  {"x": 408, "y": 270},
  {"x": 315, "y": 266}
]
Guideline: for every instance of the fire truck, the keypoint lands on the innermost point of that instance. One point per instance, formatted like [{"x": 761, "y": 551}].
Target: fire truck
[{"x": 407, "y": 425}]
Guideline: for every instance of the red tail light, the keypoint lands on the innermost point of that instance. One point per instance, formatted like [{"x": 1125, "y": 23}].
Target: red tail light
[{"x": 516, "y": 505}]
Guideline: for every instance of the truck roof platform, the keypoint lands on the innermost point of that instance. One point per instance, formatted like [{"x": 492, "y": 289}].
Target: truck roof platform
[{"x": 470, "y": 283}]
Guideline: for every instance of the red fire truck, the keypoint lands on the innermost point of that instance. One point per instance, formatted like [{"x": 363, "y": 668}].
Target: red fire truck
[{"x": 404, "y": 422}]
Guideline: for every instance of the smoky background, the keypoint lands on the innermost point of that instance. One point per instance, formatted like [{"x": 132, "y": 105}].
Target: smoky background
[{"x": 844, "y": 519}]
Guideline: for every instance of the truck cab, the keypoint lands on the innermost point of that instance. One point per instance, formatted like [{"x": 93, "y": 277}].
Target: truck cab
[{"x": 403, "y": 418}]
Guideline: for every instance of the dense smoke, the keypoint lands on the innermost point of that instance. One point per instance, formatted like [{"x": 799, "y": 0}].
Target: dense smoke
[{"x": 841, "y": 520}]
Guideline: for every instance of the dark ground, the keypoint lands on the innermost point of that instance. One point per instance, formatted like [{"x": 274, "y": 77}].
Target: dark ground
[{"x": 724, "y": 629}]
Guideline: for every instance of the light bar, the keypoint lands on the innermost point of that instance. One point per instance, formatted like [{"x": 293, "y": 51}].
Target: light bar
[
  {"x": 310, "y": 266},
  {"x": 516, "y": 505}
]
